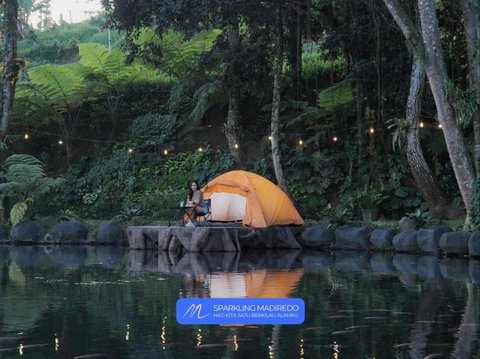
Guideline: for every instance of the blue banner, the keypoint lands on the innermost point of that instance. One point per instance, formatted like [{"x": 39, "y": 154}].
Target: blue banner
[{"x": 240, "y": 311}]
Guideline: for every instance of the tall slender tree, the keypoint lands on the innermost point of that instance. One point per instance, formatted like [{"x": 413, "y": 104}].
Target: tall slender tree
[
  {"x": 277, "y": 78},
  {"x": 427, "y": 48},
  {"x": 11, "y": 63}
]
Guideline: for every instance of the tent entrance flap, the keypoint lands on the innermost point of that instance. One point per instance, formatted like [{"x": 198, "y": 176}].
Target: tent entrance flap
[{"x": 228, "y": 207}]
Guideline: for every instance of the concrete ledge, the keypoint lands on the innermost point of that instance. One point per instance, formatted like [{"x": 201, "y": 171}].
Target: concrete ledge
[{"x": 210, "y": 239}]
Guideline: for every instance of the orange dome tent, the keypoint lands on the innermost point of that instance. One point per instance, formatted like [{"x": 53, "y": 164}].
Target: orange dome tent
[{"x": 250, "y": 198}]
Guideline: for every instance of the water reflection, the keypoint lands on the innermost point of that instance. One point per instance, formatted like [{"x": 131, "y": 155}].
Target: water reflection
[{"x": 74, "y": 301}]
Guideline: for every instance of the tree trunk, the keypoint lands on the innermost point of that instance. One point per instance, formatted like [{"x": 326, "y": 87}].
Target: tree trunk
[
  {"x": 422, "y": 175},
  {"x": 471, "y": 22},
  {"x": 359, "y": 107},
  {"x": 277, "y": 77},
  {"x": 232, "y": 126},
  {"x": 437, "y": 77},
  {"x": 11, "y": 64}
]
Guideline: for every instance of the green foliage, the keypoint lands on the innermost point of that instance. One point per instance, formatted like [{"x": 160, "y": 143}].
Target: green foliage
[
  {"x": 25, "y": 180},
  {"x": 311, "y": 176},
  {"x": 315, "y": 62},
  {"x": 476, "y": 206},
  {"x": 111, "y": 66},
  {"x": 54, "y": 91},
  {"x": 369, "y": 197},
  {"x": 398, "y": 128},
  {"x": 179, "y": 56},
  {"x": 205, "y": 97},
  {"x": 422, "y": 218},
  {"x": 154, "y": 130},
  {"x": 338, "y": 95},
  {"x": 21, "y": 211}
]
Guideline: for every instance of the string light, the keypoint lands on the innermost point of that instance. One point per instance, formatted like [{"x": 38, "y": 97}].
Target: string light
[
  {"x": 130, "y": 150},
  {"x": 200, "y": 149},
  {"x": 199, "y": 337},
  {"x": 57, "y": 343},
  {"x": 236, "y": 146},
  {"x": 422, "y": 125},
  {"x": 235, "y": 343},
  {"x": 270, "y": 138},
  {"x": 26, "y": 136},
  {"x": 371, "y": 130},
  {"x": 127, "y": 335},
  {"x": 165, "y": 152},
  {"x": 335, "y": 138},
  {"x": 439, "y": 126},
  {"x": 60, "y": 142},
  {"x": 163, "y": 336},
  {"x": 300, "y": 142}
]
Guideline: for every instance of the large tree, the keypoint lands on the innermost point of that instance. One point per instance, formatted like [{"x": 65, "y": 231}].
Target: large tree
[
  {"x": 11, "y": 63},
  {"x": 239, "y": 51},
  {"x": 422, "y": 175},
  {"x": 428, "y": 47}
]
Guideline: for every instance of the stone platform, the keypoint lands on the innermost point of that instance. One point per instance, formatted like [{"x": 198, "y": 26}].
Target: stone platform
[{"x": 212, "y": 238}]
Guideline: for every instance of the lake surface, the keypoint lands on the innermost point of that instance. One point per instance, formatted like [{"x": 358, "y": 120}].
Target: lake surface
[{"x": 107, "y": 302}]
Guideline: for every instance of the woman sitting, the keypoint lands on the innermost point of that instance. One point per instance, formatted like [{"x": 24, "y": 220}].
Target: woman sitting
[{"x": 195, "y": 201}]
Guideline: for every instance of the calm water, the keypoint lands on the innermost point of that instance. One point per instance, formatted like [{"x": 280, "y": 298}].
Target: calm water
[{"x": 105, "y": 302}]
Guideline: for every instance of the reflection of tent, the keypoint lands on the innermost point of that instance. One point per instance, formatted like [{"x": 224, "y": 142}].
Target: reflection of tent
[
  {"x": 255, "y": 284},
  {"x": 250, "y": 198}
]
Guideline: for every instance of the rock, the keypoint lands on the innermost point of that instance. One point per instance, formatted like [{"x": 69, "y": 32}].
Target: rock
[
  {"x": 406, "y": 263},
  {"x": 68, "y": 256},
  {"x": 428, "y": 268},
  {"x": 474, "y": 244},
  {"x": 353, "y": 238},
  {"x": 382, "y": 238},
  {"x": 111, "y": 233},
  {"x": 69, "y": 231},
  {"x": 28, "y": 256},
  {"x": 456, "y": 269},
  {"x": 4, "y": 232},
  {"x": 352, "y": 261},
  {"x": 316, "y": 261},
  {"x": 382, "y": 263},
  {"x": 406, "y": 241},
  {"x": 316, "y": 238},
  {"x": 27, "y": 231},
  {"x": 265, "y": 238},
  {"x": 474, "y": 269},
  {"x": 4, "y": 254},
  {"x": 428, "y": 240},
  {"x": 407, "y": 224},
  {"x": 455, "y": 242}
]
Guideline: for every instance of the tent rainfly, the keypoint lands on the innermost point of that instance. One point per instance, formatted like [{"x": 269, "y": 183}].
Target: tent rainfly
[{"x": 250, "y": 198}]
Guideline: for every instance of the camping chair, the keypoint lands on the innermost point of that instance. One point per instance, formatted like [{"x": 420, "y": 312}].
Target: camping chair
[{"x": 206, "y": 215}]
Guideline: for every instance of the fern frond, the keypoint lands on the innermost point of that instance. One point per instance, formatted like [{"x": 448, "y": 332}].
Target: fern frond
[{"x": 205, "y": 97}]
